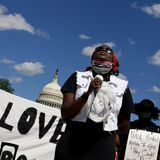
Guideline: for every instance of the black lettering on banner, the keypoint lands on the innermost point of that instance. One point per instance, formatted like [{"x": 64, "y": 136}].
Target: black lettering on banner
[
  {"x": 6, "y": 155},
  {"x": 4, "y": 116},
  {"x": 27, "y": 120},
  {"x": 8, "y": 151},
  {"x": 43, "y": 129},
  {"x": 57, "y": 131},
  {"x": 22, "y": 157}
]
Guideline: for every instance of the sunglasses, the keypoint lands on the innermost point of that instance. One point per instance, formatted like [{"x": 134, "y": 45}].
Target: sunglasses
[{"x": 107, "y": 50}]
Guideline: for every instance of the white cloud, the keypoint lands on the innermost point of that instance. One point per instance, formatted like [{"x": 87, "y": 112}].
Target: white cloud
[
  {"x": 153, "y": 10},
  {"x": 3, "y": 9},
  {"x": 84, "y": 37},
  {"x": 15, "y": 79},
  {"x": 29, "y": 68},
  {"x": 17, "y": 22},
  {"x": 42, "y": 33},
  {"x": 133, "y": 91},
  {"x": 7, "y": 61},
  {"x": 155, "y": 59},
  {"x": 155, "y": 89},
  {"x": 131, "y": 41},
  {"x": 90, "y": 49}
]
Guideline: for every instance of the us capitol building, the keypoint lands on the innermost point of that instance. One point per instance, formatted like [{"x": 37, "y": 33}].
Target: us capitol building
[{"x": 51, "y": 94}]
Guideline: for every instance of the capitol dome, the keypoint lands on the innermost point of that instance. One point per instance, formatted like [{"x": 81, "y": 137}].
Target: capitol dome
[{"x": 51, "y": 94}]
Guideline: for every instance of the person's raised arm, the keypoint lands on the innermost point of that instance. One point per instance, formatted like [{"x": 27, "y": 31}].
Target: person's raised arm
[{"x": 71, "y": 106}]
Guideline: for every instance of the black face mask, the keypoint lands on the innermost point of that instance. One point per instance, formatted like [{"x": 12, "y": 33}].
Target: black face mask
[{"x": 145, "y": 115}]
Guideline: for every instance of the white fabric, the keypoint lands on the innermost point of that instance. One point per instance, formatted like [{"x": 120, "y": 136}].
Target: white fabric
[
  {"x": 102, "y": 104},
  {"x": 83, "y": 81},
  {"x": 13, "y": 122},
  {"x": 119, "y": 87},
  {"x": 109, "y": 98}
]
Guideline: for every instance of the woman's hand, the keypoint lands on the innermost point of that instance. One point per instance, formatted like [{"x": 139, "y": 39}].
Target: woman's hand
[{"x": 95, "y": 84}]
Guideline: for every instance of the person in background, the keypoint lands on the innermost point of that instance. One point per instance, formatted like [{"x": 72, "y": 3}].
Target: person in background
[
  {"x": 147, "y": 113},
  {"x": 96, "y": 105}
]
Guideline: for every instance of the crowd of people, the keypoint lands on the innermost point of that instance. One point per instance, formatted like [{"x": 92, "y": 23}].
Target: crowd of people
[{"x": 97, "y": 106}]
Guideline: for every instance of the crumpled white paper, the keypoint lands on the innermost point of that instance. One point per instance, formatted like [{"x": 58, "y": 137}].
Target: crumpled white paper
[{"x": 102, "y": 103}]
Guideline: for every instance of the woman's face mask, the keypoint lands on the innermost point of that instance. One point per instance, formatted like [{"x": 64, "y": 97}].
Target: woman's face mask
[
  {"x": 145, "y": 115},
  {"x": 102, "y": 67}
]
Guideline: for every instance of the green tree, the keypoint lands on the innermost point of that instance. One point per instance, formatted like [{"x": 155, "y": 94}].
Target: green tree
[{"x": 5, "y": 85}]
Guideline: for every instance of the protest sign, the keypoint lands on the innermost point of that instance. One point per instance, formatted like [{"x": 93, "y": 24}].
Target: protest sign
[
  {"x": 142, "y": 145},
  {"x": 28, "y": 130}
]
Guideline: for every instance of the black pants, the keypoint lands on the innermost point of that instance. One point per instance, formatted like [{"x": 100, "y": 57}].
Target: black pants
[{"x": 85, "y": 141}]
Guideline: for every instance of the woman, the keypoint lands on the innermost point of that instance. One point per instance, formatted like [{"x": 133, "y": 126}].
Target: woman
[{"x": 96, "y": 104}]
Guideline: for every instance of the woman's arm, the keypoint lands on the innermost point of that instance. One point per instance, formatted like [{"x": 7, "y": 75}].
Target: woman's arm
[{"x": 72, "y": 106}]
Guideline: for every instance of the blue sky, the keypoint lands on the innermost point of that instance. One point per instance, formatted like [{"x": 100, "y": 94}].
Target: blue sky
[{"x": 37, "y": 37}]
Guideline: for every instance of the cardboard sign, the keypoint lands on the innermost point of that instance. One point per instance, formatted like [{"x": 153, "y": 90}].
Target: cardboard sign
[{"x": 142, "y": 145}]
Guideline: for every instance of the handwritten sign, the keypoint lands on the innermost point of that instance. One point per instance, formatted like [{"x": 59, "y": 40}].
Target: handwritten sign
[{"x": 142, "y": 145}]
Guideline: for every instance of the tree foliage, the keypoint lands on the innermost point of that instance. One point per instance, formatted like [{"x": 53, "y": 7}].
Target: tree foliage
[{"x": 5, "y": 85}]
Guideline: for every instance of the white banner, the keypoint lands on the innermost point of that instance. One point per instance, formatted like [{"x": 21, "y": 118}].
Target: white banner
[
  {"x": 142, "y": 145},
  {"x": 28, "y": 130}
]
